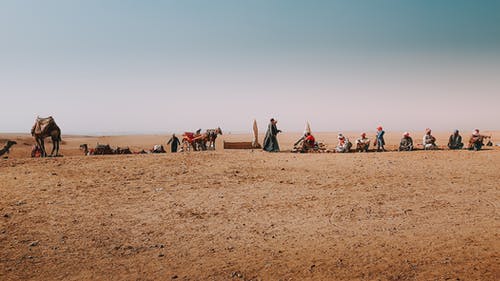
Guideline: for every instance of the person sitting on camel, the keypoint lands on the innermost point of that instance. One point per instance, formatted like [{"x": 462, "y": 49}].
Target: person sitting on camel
[
  {"x": 429, "y": 141},
  {"x": 344, "y": 145},
  {"x": 362, "y": 143},
  {"x": 406, "y": 143},
  {"x": 476, "y": 140}
]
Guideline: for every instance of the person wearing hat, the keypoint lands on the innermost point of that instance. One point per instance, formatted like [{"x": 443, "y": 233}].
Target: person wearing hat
[
  {"x": 362, "y": 143},
  {"x": 379, "y": 139},
  {"x": 406, "y": 143},
  {"x": 429, "y": 141},
  {"x": 344, "y": 145},
  {"x": 455, "y": 141},
  {"x": 476, "y": 140}
]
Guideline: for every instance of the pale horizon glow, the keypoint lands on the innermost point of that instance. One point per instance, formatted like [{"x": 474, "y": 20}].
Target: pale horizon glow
[{"x": 110, "y": 67}]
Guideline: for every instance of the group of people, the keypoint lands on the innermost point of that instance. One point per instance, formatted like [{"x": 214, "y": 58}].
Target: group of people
[
  {"x": 308, "y": 143},
  {"x": 362, "y": 143},
  {"x": 476, "y": 141}
]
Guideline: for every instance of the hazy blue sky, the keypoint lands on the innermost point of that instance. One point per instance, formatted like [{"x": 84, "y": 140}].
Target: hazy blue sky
[{"x": 161, "y": 66}]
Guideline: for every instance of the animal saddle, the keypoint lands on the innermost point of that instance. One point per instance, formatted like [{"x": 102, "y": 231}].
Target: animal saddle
[{"x": 41, "y": 124}]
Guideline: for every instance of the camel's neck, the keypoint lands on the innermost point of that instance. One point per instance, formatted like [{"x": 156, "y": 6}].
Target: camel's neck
[{"x": 5, "y": 149}]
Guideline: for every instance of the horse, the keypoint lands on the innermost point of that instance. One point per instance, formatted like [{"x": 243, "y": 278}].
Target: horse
[{"x": 211, "y": 136}]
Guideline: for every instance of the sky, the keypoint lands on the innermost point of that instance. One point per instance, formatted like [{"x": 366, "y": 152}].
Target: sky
[{"x": 111, "y": 67}]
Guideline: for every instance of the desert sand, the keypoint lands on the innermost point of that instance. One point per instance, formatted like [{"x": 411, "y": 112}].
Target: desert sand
[{"x": 249, "y": 215}]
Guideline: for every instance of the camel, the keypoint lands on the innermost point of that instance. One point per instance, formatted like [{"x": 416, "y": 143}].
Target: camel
[
  {"x": 43, "y": 128},
  {"x": 104, "y": 149},
  {"x": 6, "y": 148},
  {"x": 100, "y": 149},
  {"x": 85, "y": 149},
  {"x": 122, "y": 150}
]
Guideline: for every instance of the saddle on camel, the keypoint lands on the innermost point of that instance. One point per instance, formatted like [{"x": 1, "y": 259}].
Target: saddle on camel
[{"x": 43, "y": 128}]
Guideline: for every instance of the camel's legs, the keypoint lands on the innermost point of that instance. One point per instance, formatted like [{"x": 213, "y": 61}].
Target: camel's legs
[
  {"x": 41, "y": 144},
  {"x": 55, "y": 147}
]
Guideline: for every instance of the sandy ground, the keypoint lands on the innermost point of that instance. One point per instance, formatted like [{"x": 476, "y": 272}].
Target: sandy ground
[{"x": 249, "y": 215}]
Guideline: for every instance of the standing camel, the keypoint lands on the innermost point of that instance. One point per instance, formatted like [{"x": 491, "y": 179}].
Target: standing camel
[
  {"x": 43, "y": 128},
  {"x": 7, "y": 147}
]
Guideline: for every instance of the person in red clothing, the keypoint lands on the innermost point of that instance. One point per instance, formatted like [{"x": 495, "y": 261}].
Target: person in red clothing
[
  {"x": 309, "y": 140},
  {"x": 305, "y": 143}
]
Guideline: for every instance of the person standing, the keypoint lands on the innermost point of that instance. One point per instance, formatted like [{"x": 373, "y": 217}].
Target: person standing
[
  {"x": 174, "y": 143},
  {"x": 271, "y": 140},
  {"x": 379, "y": 139}
]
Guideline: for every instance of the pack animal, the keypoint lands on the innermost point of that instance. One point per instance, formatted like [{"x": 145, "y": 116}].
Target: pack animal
[{"x": 43, "y": 128}]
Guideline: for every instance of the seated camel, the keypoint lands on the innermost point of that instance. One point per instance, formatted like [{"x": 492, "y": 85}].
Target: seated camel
[
  {"x": 120, "y": 150},
  {"x": 100, "y": 149}
]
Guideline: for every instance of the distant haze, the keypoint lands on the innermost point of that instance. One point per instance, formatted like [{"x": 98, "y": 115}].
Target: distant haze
[{"x": 107, "y": 67}]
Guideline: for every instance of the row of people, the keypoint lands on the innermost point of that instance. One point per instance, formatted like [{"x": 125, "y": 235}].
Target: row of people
[
  {"x": 308, "y": 142},
  {"x": 344, "y": 145},
  {"x": 476, "y": 141}
]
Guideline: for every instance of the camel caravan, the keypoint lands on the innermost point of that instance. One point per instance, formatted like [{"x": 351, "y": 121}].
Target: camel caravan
[{"x": 202, "y": 141}]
